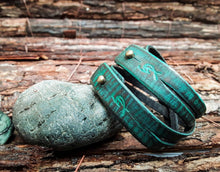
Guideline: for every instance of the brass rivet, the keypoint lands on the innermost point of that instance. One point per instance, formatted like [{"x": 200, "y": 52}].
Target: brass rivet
[
  {"x": 129, "y": 54},
  {"x": 101, "y": 79}
]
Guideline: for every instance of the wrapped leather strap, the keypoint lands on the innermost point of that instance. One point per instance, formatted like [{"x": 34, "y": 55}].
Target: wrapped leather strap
[
  {"x": 150, "y": 69},
  {"x": 137, "y": 118}
]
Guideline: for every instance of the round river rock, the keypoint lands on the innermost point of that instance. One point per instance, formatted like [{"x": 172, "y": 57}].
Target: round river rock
[{"x": 62, "y": 115}]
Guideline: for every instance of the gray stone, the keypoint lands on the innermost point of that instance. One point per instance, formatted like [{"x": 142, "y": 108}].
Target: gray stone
[
  {"x": 62, "y": 115},
  {"x": 5, "y": 128}
]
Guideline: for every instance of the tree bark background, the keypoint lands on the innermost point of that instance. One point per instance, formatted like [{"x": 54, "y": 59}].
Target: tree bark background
[{"x": 46, "y": 39}]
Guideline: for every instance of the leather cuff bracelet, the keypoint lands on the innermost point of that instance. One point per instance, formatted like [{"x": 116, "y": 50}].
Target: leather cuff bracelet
[
  {"x": 109, "y": 84},
  {"x": 149, "y": 68}
]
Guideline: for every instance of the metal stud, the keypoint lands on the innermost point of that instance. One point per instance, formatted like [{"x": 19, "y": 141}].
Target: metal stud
[
  {"x": 129, "y": 54},
  {"x": 101, "y": 79}
]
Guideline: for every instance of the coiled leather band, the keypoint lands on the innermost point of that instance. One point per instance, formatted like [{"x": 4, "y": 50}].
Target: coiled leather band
[
  {"x": 149, "y": 68},
  {"x": 137, "y": 118}
]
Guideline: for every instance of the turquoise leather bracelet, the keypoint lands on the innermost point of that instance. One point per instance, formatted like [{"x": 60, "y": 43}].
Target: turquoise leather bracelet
[
  {"x": 150, "y": 69},
  {"x": 109, "y": 84}
]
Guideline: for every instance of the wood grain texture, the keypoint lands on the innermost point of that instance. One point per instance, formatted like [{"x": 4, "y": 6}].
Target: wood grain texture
[
  {"x": 22, "y": 66},
  {"x": 190, "y": 10},
  {"x": 121, "y": 153},
  {"x": 186, "y": 50},
  {"x": 107, "y": 28}
]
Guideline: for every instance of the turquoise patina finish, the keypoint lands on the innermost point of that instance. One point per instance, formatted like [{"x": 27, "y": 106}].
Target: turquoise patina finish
[
  {"x": 5, "y": 128},
  {"x": 149, "y": 68},
  {"x": 137, "y": 118},
  {"x": 146, "y": 69}
]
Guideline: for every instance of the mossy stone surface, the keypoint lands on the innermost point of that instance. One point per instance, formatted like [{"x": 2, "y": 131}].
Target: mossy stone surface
[
  {"x": 62, "y": 115},
  {"x": 5, "y": 128}
]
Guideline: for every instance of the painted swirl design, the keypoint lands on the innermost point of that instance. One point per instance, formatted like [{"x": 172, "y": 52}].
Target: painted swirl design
[
  {"x": 120, "y": 102},
  {"x": 149, "y": 69}
]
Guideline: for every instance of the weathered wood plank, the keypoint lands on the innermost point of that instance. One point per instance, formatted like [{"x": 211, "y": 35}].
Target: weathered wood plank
[
  {"x": 174, "y": 50},
  {"x": 122, "y": 152},
  {"x": 195, "y": 59},
  {"x": 24, "y": 62},
  {"x": 190, "y": 10},
  {"x": 107, "y": 28}
]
